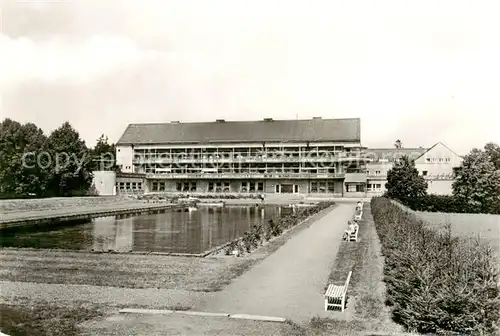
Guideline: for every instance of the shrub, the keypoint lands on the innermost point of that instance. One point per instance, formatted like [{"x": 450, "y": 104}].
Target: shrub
[{"x": 436, "y": 282}]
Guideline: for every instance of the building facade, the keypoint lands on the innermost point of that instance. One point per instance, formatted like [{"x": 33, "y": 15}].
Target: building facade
[
  {"x": 436, "y": 164},
  {"x": 315, "y": 156}
]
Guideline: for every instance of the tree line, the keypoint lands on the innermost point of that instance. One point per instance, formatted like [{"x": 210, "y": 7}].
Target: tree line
[
  {"x": 54, "y": 165},
  {"x": 476, "y": 187}
]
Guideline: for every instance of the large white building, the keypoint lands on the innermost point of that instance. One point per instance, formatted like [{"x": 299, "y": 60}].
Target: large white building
[
  {"x": 311, "y": 156},
  {"x": 314, "y": 156}
]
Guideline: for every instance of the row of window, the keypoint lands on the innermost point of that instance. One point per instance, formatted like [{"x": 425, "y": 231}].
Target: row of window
[
  {"x": 322, "y": 187},
  {"x": 438, "y": 160},
  {"x": 220, "y": 186},
  {"x": 359, "y": 187},
  {"x": 374, "y": 187},
  {"x": 129, "y": 185}
]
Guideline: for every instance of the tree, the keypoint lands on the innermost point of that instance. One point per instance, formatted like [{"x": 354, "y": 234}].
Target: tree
[
  {"x": 404, "y": 183},
  {"x": 493, "y": 151},
  {"x": 22, "y": 164},
  {"x": 477, "y": 182},
  {"x": 398, "y": 144},
  {"x": 103, "y": 155},
  {"x": 70, "y": 173}
]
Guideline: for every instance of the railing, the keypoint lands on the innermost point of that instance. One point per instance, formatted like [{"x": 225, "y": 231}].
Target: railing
[
  {"x": 269, "y": 158},
  {"x": 244, "y": 175}
]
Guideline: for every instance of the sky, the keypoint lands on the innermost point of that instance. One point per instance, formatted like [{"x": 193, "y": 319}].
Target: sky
[{"x": 419, "y": 71}]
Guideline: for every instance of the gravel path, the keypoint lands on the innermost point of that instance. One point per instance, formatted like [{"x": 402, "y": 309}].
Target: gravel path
[{"x": 290, "y": 282}]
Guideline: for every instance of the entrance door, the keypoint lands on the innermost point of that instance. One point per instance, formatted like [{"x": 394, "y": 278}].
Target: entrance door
[{"x": 287, "y": 188}]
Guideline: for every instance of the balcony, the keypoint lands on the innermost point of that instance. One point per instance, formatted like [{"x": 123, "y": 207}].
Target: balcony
[
  {"x": 170, "y": 159},
  {"x": 245, "y": 176}
]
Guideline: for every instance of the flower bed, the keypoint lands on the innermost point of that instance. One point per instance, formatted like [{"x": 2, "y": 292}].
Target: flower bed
[
  {"x": 436, "y": 282},
  {"x": 260, "y": 234}
]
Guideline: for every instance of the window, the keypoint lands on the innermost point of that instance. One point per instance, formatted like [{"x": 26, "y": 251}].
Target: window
[
  {"x": 322, "y": 187},
  {"x": 211, "y": 187},
  {"x": 314, "y": 187},
  {"x": 162, "y": 186},
  {"x": 134, "y": 185},
  {"x": 331, "y": 187},
  {"x": 179, "y": 186},
  {"x": 360, "y": 188},
  {"x": 378, "y": 186},
  {"x": 185, "y": 186},
  {"x": 252, "y": 187},
  {"x": 139, "y": 185},
  {"x": 244, "y": 187},
  {"x": 377, "y": 172},
  {"x": 369, "y": 187},
  {"x": 277, "y": 189},
  {"x": 260, "y": 186},
  {"x": 424, "y": 173},
  {"x": 155, "y": 186},
  {"x": 127, "y": 185},
  {"x": 193, "y": 186},
  {"x": 122, "y": 185}
]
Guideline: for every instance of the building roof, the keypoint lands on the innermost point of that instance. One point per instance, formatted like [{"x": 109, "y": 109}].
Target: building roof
[
  {"x": 391, "y": 154},
  {"x": 438, "y": 143},
  {"x": 316, "y": 129}
]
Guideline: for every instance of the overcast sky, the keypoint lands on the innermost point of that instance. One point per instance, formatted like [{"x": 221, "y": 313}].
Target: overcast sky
[{"x": 414, "y": 70}]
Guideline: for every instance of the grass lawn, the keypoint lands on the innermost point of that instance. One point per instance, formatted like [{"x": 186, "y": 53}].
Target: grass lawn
[
  {"x": 44, "y": 319},
  {"x": 485, "y": 226}
]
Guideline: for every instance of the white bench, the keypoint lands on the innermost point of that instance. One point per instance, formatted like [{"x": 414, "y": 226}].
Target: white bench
[
  {"x": 335, "y": 295},
  {"x": 353, "y": 236},
  {"x": 358, "y": 216}
]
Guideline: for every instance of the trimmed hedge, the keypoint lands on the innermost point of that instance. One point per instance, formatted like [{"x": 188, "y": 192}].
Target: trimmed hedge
[
  {"x": 441, "y": 203},
  {"x": 435, "y": 282}
]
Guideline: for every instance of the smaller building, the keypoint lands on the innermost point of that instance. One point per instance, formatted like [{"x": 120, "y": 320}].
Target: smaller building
[
  {"x": 436, "y": 164},
  {"x": 109, "y": 183}
]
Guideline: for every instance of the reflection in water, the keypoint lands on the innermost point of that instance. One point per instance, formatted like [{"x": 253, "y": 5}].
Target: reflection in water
[{"x": 169, "y": 231}]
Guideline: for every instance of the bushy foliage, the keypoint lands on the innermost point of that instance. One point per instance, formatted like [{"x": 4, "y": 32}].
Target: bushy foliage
[
  {"x": 437, "y": 203},
  {"x": 35, "y": 165},
  {"x": 436, "y": 282},
  {"x": 403, "y": 181},
  {"x": 477, "y": 182}
]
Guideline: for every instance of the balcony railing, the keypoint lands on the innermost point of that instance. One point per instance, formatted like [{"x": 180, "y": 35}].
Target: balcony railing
[
  {"x": 236, "y": 158},
  {"x": 244, "y": 175}
]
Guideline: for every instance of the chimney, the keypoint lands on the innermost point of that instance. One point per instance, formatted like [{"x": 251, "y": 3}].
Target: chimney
[
  {"x": 220, "y": 120},
  {"x": 268, "y": 119}
]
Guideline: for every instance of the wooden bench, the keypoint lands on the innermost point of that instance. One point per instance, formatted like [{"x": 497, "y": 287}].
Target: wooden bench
[{"x": 335, "y": 295}]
